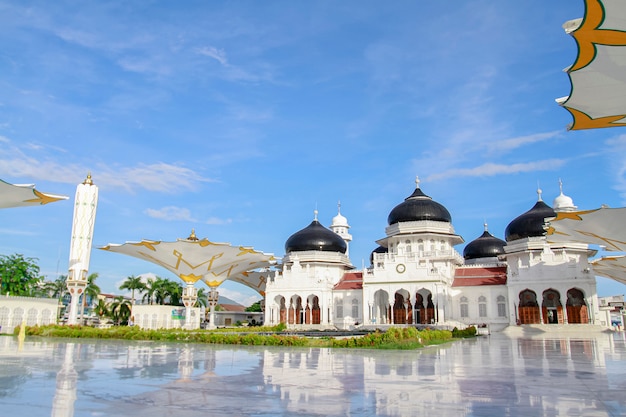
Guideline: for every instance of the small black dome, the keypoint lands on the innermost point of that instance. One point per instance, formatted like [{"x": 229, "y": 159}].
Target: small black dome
[
  {"x": 380, "y": 249},
  {"x": 418, "y": 206},
  {"x": 485, "y": 246},
  {"x": 529, "y": 224},
  {"x": 315, "y": 237}
]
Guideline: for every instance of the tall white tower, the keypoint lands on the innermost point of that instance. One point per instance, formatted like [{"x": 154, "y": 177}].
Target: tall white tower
[
  {"x": 340, "y": 226},
  {"x": 85, "y": 204}
]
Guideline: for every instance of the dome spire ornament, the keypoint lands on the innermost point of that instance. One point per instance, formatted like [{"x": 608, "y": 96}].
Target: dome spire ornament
[
  {"x": 417, "y": 181},
  {"x": 539, "y": 192},
  {"x": 315, "y": 215},
  {"x": 192, "y": 237},
  {"x": 88, "y": 180}
]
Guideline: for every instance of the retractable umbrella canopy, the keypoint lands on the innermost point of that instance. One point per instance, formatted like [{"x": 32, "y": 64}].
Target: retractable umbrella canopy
[
  {"x": 598, "y": 75},
  {"x": 23, "y": 195},
  {"x": 611, "y": 267},
  {"x": 194, "y": 259},
  {"x": 256, "y": 280},
  {"x": 604, "y": 226}
]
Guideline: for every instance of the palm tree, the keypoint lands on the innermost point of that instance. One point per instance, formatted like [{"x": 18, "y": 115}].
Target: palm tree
[
  {"x": 91, "y": 290},
  {"x": 56, "y": 288},
  {"x": 101, "y": 309},
  {"x": 174, "y": 292},
  {"x": 152, "y": 286},
  {"x": 203, "y": 298},
  {"x": 120, "y": 310},
  {"x": 133, "y": 283}
]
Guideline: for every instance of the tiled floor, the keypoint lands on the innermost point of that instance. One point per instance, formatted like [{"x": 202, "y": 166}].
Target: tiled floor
[{"x": 505, "y": 374}]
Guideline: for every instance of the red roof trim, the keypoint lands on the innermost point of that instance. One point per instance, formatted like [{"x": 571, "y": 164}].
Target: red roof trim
[
  {"x": 350, "y": 281},
  {"x": 471, "y": 277}
]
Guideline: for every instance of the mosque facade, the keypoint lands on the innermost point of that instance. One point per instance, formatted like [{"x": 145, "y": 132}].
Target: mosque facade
[{"x": 416, "y": 277}]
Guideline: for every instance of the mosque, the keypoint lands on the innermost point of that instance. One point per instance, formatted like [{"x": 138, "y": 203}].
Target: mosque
[{"x": 416, "y": 276}]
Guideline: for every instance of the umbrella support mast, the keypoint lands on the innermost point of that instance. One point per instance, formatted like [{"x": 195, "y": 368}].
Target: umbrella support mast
[
  {"x": 213, "y": 298},
  {"x": 190, "y": 296}
]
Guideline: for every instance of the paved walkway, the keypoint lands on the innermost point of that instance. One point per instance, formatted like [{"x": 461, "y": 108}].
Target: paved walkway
[{"x": 521, "y": 372}]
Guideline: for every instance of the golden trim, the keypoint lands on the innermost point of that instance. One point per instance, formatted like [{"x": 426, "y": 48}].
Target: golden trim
[{"x": 42, "y": 198}]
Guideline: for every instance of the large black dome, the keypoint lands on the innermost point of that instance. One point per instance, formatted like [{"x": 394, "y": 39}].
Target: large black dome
[
  {"x": 529, "y": 224},
  {"x": 485, "y": 246},
  {"x": 315, "y": 237},
  {"x": 418, "y": 206}
]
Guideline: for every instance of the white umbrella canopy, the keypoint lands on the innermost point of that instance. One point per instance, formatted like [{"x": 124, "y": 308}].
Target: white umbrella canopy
[
  {"x": 604, "y": 226},
  {"x": 598, "y": 75},
  {"x": 194, "y": 259},
  {"x": 256, "y": 280},
  {"x": 23, "y": 195},
  {"x": 611, "y": 267}
]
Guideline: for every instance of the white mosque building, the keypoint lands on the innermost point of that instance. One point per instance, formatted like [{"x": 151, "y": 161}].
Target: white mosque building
[{"x": 416, "y": 277}]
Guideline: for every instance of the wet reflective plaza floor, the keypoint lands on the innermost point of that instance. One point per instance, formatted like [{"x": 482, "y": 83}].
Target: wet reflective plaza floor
[{"x": 505, "y": 374}]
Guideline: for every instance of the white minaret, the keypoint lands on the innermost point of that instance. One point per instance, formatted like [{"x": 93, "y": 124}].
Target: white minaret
[
  {"x": 85, "y": 204},
  {"x": 340, "y": 226}
]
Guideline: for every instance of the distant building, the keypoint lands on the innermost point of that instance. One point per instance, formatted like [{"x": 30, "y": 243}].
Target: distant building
[
  {"x": 417, "y": 277},
  {"x": 613, "y": 309}
]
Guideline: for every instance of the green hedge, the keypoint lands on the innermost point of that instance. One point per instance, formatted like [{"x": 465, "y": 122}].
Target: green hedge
[{"x": 393, "y": 338}]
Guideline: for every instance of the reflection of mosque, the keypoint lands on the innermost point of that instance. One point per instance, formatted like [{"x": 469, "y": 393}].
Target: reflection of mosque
[
  {"x": 417, "y": 277},
  {"x": 515, "y": 370}
]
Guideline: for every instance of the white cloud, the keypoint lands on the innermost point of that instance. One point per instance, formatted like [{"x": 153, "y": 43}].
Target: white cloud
[
  {"x": 244, "y": 299},
  {"x": 171, "y": 213},
  {"x": 507, "y": 145},
  {"x": 490, "y": 169},
  {"x": 212, "y": 52},
  {"x": 158, "y": 177}
]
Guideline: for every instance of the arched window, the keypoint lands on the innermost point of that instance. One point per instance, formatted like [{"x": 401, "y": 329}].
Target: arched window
[
  {"x": 482, "y": 306},
  {"x": 420, "y": 245},
  {"x": 442, "y": 245},
  {"x": 432, "y": 245},
  {"x": 408, "y": 246},
  {"x": 355, "y": 308},
  {"x": 464, "y": 307},
  {"x": 339, "y": 308},
  {"x": 501, "y": 306}
]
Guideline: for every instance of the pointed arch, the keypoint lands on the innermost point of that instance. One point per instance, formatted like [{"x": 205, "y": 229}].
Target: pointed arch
[
  {"x": 424, "y": 307},
  {"x": 402, "y": 309},
  {"x": 528, "y": 308},
  {"x": 380, "y": 313},
  {"x": 577, "y": 310},
  {"x": 551, "y": 307}
]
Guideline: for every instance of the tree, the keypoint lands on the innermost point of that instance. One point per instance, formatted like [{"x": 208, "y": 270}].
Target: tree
[
  {"x": 133, "y": 283},
  {"x": 91, "y": 290},
  {"x": 203, "y": 298},
  {"x": 256, "y": 307},
  {"x": 121, "y": 309},
  {"x": 163, "y": 291},
  {"x": 18, "y": 275},
  {"x": 56, "y": 288},
  {"x": 101, "y": 309}
]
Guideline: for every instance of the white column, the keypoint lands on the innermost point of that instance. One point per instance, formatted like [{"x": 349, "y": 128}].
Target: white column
[
  {"x": 190, "y": 296},
  {"x": 85, "y": 204},
  {"x": 213, "y": 298}
]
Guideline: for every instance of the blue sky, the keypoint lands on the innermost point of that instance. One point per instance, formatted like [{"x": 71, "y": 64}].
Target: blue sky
[{"x": 240, "y": 118}]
